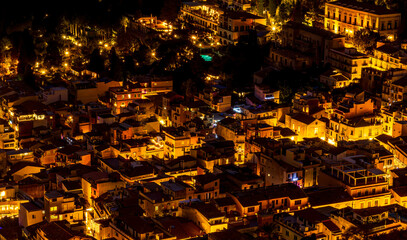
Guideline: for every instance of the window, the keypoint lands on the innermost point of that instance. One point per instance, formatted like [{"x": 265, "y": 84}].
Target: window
[
  {"x": 33, "y": 216},
  {"x": 53, "y": 209},
  {"x": 298, "y": 202},
  {"x": 287, "y": 233},
  {"x": 250, "y": 209}
]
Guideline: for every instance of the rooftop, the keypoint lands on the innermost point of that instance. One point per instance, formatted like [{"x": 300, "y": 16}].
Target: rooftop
[{"x": 365, "y": 7}]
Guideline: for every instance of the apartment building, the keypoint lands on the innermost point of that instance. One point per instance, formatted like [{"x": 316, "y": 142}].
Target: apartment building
[
  {"x": 347, "y": 16},
  {"x": 311, "y": 40},
  {"x": 367, "y": 187},
  {"x": 234, "y": 25},
  {"x": 349, "y": 62},
  {"x": 62, "y": 206},
  {"x": 203, "y": 15}
]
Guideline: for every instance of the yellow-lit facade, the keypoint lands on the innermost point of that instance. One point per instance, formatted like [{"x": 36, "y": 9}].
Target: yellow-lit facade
[{"x": 346, "y": 17}]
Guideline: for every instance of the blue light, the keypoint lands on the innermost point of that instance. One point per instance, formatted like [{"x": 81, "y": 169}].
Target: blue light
[
  {"x": 238, "y": 110},
  {"x": 206, "y": 58}
]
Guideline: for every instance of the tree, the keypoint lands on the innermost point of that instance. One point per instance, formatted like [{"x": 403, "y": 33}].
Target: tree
[
  {"x": 357, "y": 233},
  {"x": 260, "y": 7},
  {"x": 272, "y": 7},
  {"x": 27, "y": 53},
  {"x": 28, "y": 77},
  {"x": 53, "y": 56},
  {"x": 115, "y": 71},
  {"x": 170, "y": 9},
  {"x": 297, "y": 14},
  {"x": 96, "y": 62},
  {"x": 129, "y": 65},
  {"x": 365, "y": 39}
]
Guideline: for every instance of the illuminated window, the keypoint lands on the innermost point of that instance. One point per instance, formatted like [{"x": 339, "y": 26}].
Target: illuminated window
[{"x": 53, "y": 209}]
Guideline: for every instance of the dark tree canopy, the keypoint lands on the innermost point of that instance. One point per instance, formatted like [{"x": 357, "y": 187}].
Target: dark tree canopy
[{"x": 96, "y": 62}]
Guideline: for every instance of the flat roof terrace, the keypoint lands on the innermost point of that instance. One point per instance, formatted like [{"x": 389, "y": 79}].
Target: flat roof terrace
[{"x": 355, "y": 175}]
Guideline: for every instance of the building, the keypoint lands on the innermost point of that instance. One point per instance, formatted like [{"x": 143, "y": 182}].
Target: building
[
  {"x": 367, "y": 187},
  {"x": 62, "y": 206},
  {"x": 206, "y": 216},
  {"x": 354, "y": 119},
  {"x": 305, "y": 223},
  {"x": 203, "y": 15},
  {"x": 388, "y": 57},
  {"x": 347, "y": 16},
  {"x": 30, "y": 214},
  {"x": 278, "y": 198},
  {"x": 348, "y": 61},
  {"x": 54, "y": 94},
  {"x": 231, "y": 129},
  {"x": 235, "y": 25},
  {"x": 305, "y": 126},
  {"x": 315, "y": 41},
  {"x": 368, "y": 222},
  {"x": 217, "y": 98},
  {"x": 177, "y": 142},
  {"x": 287, "y": 58},
  {"x": 265, "y": 93},
  {"x": 95, "y": 184},
  {"x": 334, "y": 78},
  {"x": 7, "y": 136}
]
